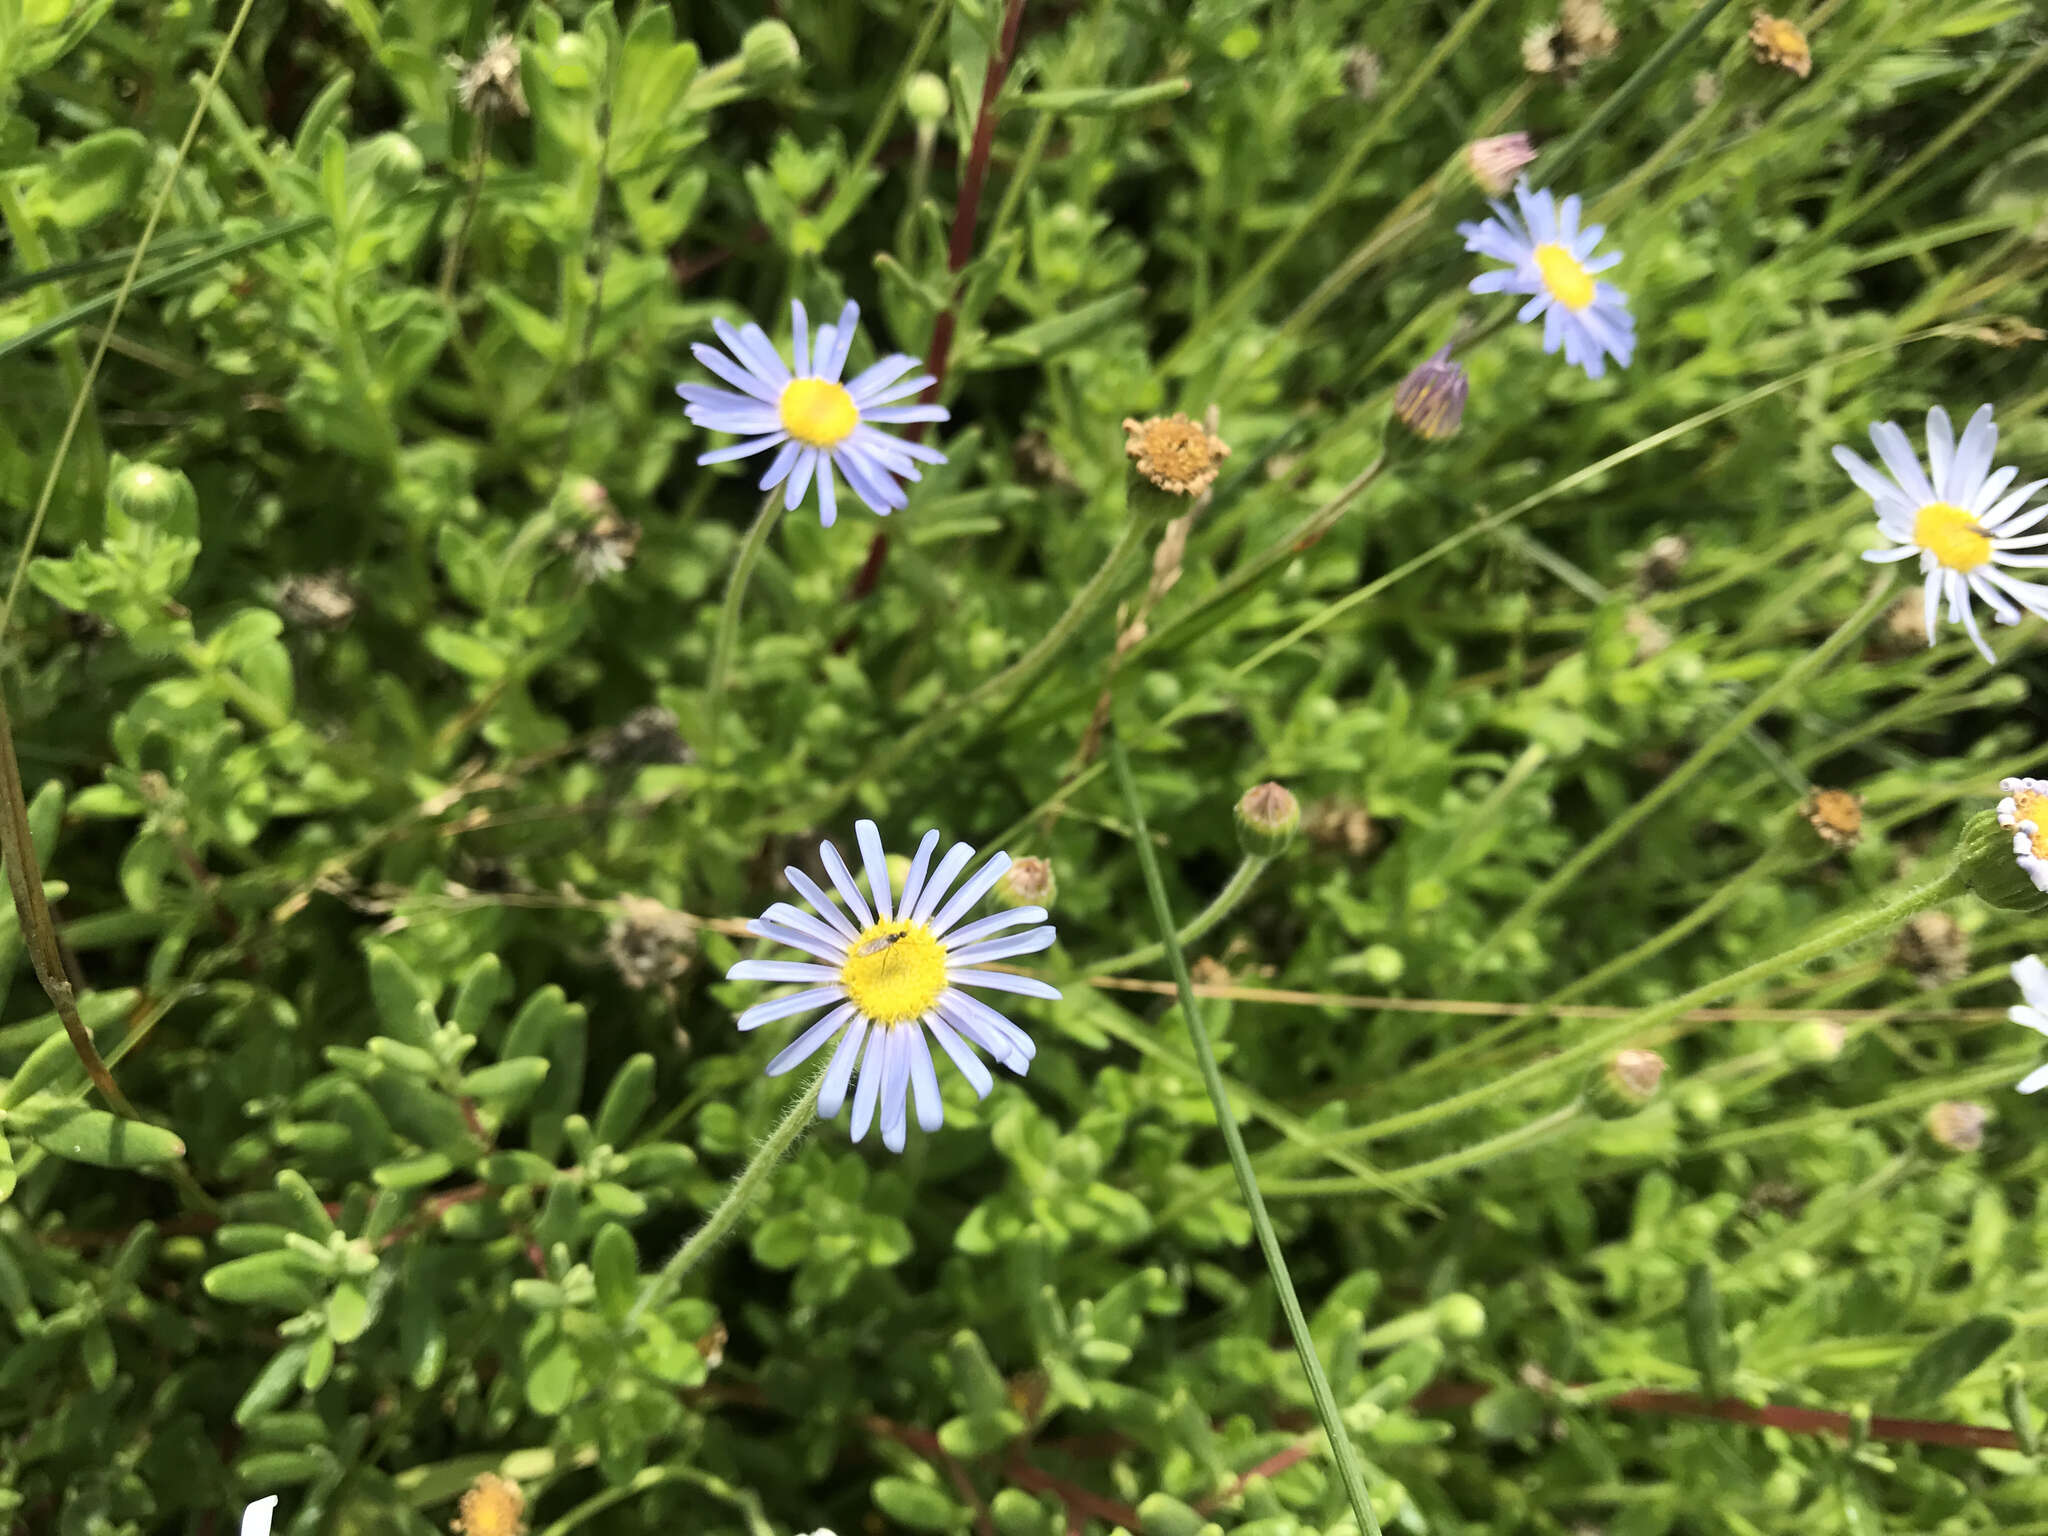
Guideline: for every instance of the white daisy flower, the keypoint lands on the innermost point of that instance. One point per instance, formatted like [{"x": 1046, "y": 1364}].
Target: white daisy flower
[
  {"x": 1550, "y": 258},
  {"x": 2032, "y": 978},
  {"x": 815, "y": 423},
  {"x": 256, "y": 1518},
  {"x": 1959, "y": 519},
  {"x": 2024, "y": 813},
  {"x": 893, "y": 974}
]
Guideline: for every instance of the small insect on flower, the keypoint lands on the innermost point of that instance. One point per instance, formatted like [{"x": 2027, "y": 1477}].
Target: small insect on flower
[
  {"x": 1550, "y": 258},
  {"x": 1958, "y": 517},
  {"x": 2031, "y": 976},
  {"x": 894, "y": 973},
  {"x": 815, "y": 423}
]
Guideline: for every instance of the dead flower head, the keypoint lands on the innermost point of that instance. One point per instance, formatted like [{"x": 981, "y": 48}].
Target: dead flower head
[
  {"x": 1777, "y": 41},
  {"x": 490, "y": 86},
  {"x": 649, "y": 945},
  {"x": 316, "y": 602},
  {"x": 1836, "y": 815},
  {"x": 1179, "y": 456},
  {"x": 491, "y": 1506},
  {"x": 1933, "y": 946}
]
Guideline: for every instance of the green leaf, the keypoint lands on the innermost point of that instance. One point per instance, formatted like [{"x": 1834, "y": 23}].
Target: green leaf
[
  {"x": 348, "y": 1312},
  {"x": 1102, "y": 101},
  {"x": 272, "y": 1383},
  {"x": 626, "y": 1101},
  {"x": 280, "y": 1278},
  {"x": 552, "y": 1373},
  {"x": 412, "y": 1172},
  {"x": 95, "y": 178},
  {"x": 506, "y": 1084},
  {"x": 82, "y": 1135},
  {"x": 917, "y": 1505},
  {"x": 615, "y": 1267},
  {"x": 1939, "y": 1367},
  {"x": 404, "y": 1005},
  {"x": 311, "y": 1216},
  {"x": 1704, "y": 1335}
]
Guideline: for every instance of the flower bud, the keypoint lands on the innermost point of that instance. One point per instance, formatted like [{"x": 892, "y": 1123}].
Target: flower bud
[
  {"x": 1268, "y": 816},
  {"x": 1813, "y": 1042},
  {"x": 769, "y": 51},
  {"x": 1028, "y": 882},
  {"x": 1161, "y": 1514},
  {"x": 1431, "y": 400},
  {"x": 1957, "y": 1125},
  {"x": 1624, "y": 1084},
  {"x": 1698, "y": 1104},
  {"x": 395, "y": 163},
  {"x": 1989, "y": 866},
  {"x": 1460, "y": 1316},
  {"x": 924, "y": 98},
  {"x": 154, "y": 496},
  {"x": 1496, "y": 162}
]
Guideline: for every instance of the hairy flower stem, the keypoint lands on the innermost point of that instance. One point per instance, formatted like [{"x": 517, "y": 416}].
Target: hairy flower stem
[
  {"x": 729, "y": 616},
  {"x": 1349, "y": 1473},
  {"x": 451, "y": 260},
  {"x": 1227, "y": 900},
  {"x": 788, "y": 1130}
]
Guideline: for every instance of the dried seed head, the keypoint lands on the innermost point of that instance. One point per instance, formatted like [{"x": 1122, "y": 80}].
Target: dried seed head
[
  {"x": 1777, "y": 41},
  {"x": 315, "y": 602},
  {"x": 1037, "y": 459},
  {"x": 1836, "y": 815},
  {"x": 1431, "y": 400},
  {"x": 1589, "y": 32},
  {"x": 1341, "y": 826},
  {"x": 1624, "y": 1083},
  {"x": 1652, "y": 639},
  {"x": 649, "y": 945},
  {"x": 1268, "y": 816},
  {"x": 492, "y": 1506},
  {"x": 1659, "y": 567},
  {"x": 1934, "y": 948},
  {"x": 605, "y": 546},
  {"x": 1362, "y": 73},
  {"x": 1179, "y": 456},
  {"x": 1541, "y": 50},
  {"x": 648, "y": 736},
  {"x": 1028, "y": 882},
  {"x": 1496, "y": 162},
  {"x": 490, "y": 87},
  {"x": 1706, "y": 88},
  {"x": 1957, "y": 1124}
]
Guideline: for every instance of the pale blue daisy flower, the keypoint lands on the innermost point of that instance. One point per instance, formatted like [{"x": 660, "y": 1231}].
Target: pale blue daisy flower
[
  {"x": 1550, "y": 258},
  {"x": 1958, "y": 517},
  {"x": 2032, "y": 978},
  {"x": 815, "y": 423},
  {"x": 893, "y": 974}
]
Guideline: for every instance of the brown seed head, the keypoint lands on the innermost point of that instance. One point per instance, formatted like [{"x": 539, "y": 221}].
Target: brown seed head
[
  {"x": 1588, "y": 30},
  {"x": 1028, "y": 882},
  {"x": 490, "y": 87},
  {"x": 1777, "y": 41},
  {"x": 1957, "y": 1124},
  {"x": 492, "y": 1506},
  {"x": 1636, "y": 1073},
  {"x": 1175, "y": 454},
  {"x": 1934, "y": 948},
  {"x": 1836, "y": 815},
  {"x": 650, "y": 945},
  {"x": 1362, "y": 73},
  {"x": 1341, "y": 826}
]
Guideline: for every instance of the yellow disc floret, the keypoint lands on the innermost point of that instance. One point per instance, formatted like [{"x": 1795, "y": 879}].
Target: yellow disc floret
[
  {"x": 2032, "y": 805},
  {"x": 1951, "y": 535},
  {"x": 894, "y": 972},
  {"x": 1569, "y": 283},
  {"x": 818, "y": 412}
]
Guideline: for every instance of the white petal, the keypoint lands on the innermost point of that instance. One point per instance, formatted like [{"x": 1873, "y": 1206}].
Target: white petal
[
  {"x": 745, "y": 450},
  {"x": 810, "y": 1000},
  {"x": 870, "y": 1082},
  {"x": 799, "y": 337},
  {"x": 871, "y": 854},
  {"x": 800, "y": 478},
  {"x": 1973, "y": 459},
  {"x": 1868, "y": 480},
  {"x": 997, "y": 981},
  {"x": 796, "y": 938},
  {"x": 2033, "y": 1082},
  {"x": 842, "y": 882},
  {"x": 828, "y": 494},
  {"x": 2028, "y": 1018},
  {"x": 840, "y": 1072},
  {"x": 924, "y": 1082},
  {"x": 807, "y": 1044},
  {"x": 256, "y": 1518},
  {"x": 869, "y": 381},
  {"x": 913, "y": 883},
  {"x": 1005, "y": 948},
  {"x": 995, "y": 922},
  {"x": 767, "y": 391},
  {"x": 781, "y": 970},
  {"x": 832, "y": 360},
  {"x": 826, "y": 906},
  {"x": 1011, "y": 1043},
  {"x": 977, "y": 1075},
  {"x": 783, "y": 915},
  {"x": 2030, "y": 974},
  {"x": 891, "y": 415},
  {"x": 1897, "y": 452},
  {"x": 964, "y": 899},
  {"x": 780, "y": 466},
  {"x": 895, "y": 1082},
  {"x": 1941, "y": 450},
  {"x": 941, "y": 881}
]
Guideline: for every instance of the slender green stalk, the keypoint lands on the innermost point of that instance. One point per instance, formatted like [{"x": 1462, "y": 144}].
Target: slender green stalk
[
  {"x": 1477, "y": 1155},
  {"x": 1234, "y": 891},
  {"x": 1838, "y": 935},
  {"x": 849, "y": 186},
  {"x": 83, "y": 397},
  {"x": 788, "y": 1131},
  {"x": 1731, "y": 730},
  {"x": 1556, "y": 161},
  {"x": 1345, "y": 1453},
  {"x": 479, "y": 162},
  {"x": 729, "y": 615}
]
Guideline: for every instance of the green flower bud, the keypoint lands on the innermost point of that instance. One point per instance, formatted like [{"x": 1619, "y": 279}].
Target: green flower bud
[
  {"x": 769, "y": 51},
  {"x": 1029, "y": 882},
  {"x": 1984, "y": 855},
  {"x": 1460, "y": 1316},
  {"x": 1813, "y": 1042},
  {"x": 154, "y": 496},
  {"x": 1624, "y": 1084},
  {"x": 1268, "y": 816},
  {"x": 924, "y": 98},
  {"x": 394, "y": 163},
  {"x": 1383, "y": 963},
  {"x": 1698, "y": 1104}
]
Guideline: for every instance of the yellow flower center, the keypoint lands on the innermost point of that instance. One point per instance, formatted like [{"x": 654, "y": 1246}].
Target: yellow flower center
[
  {"x": 818, "y": 412},
  {"x": 1569, "y": 283},
  {"x": 2032, "y": 805},
  {"x": 1951, "y": 535},
  {"x": 895, "y": 972}
]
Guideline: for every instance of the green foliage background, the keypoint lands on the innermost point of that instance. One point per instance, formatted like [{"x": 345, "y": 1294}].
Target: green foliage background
[{"x": 343, "y": 840}]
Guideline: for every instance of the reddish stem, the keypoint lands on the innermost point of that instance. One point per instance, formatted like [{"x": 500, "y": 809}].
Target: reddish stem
[{"x": 959, "y": 250}]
